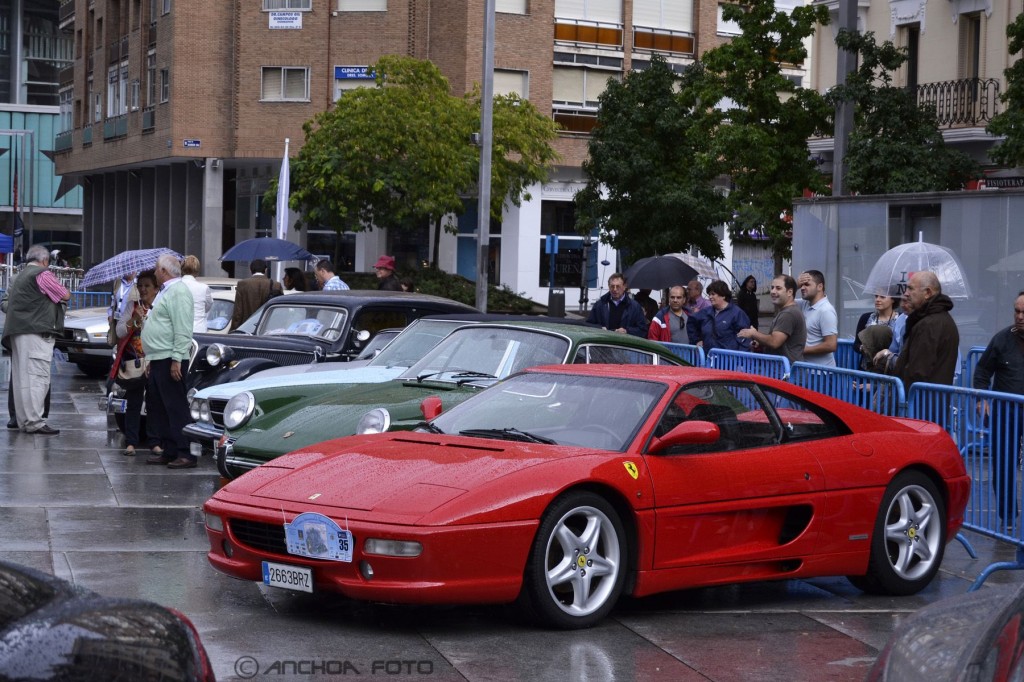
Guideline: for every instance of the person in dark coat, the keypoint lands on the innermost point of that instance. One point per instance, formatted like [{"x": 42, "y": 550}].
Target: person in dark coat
[
  {"x": 385, "y": 270},
  {"x": 617, "y": 311},
  {"x": 747, "y": 301},
  {"x": 1001, "y": 368},
  {"x": 253, "y": 292},
  {"x": 718, "y": 326},
  {"x": 931, "y": 342}
]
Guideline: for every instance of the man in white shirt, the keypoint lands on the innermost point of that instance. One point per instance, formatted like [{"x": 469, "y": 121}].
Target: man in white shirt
[
  {"x": 202, "y": 297},
  {"x": 820, "y": 316}
]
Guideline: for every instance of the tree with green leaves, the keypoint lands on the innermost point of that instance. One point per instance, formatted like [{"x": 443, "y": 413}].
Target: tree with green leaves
[
  {"x": 400, "y": 154},
  {"x": 1010, "y": 122},
  {"x": 763, "y": 120},
  {"x": 895, "y": 145},
  {"x": 649, "y": 173}
]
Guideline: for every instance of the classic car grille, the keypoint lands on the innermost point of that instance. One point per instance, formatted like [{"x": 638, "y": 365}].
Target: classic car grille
[
  {"x": 280, "y": 357},
  {"x": 262, "y": 536},
  {"x": 217, "y": 411}
]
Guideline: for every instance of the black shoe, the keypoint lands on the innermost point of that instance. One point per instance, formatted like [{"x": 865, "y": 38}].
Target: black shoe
[
  {"x": 13, "y": 424},
  {"x": 182, "y": 463},
  {"x": 159, "y": 460},
  {"x": 46, "y": 430}
]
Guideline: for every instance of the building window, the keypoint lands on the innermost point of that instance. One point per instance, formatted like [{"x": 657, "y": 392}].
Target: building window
[
  {"x": 589, "y": 10},
  {"x": 67, "y": 98},
  {"x": 134, "y": 97},
  {"x": 117, "y": 90},
  {"x": 574, "y": 96},
  {"x": 674, "y": 15},
  {"x": 727, "y": 28},
  {"x": 348, "y": 78},
  {"x": 510, "y": 6},
  {"x": 285, "y": 84},
  {"x": 165, "y": 85},
  {"x": 969, "y": 52},
  {"x": 362, "y": 5},
  {"x": 288, "y": 4},
  {"x": 151, "y": 79},
  {"x": 166, "y": 8},
  {"x": 507, "y": 82}
]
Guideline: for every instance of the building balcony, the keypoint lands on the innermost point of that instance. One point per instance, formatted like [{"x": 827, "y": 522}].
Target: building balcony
[
  {"x": 115, "y": 127},
  {"x": 148, "y": 119},
  {"x": 588, "y": 33},
  {"x": 964, "y": 103},
  {"x": 66, "y": 15},
  {"x": 86, "y": 135},
  {"x": 62, "y": 141},
  {"x": 66, "y": 76}
]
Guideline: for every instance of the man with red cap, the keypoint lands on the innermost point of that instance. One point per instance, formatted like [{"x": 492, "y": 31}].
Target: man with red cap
[{"x": 385, "y": 269}]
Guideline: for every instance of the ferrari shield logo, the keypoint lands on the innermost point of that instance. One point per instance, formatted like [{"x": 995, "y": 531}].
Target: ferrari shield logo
[{"x": 631, "y": 470}]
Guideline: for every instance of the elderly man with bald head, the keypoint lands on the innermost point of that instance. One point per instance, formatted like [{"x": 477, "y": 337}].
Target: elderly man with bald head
[{"x": 931, "y": 341}]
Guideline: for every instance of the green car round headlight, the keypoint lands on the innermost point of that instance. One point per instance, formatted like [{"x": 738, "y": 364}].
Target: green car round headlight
[
  {"x": 239, "y": 409},
  {"x": 377, "y": 420}
]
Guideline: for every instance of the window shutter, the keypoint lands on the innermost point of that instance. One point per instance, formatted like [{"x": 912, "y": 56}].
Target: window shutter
[
  {"x": 295, "y": 84},
  {"x": 609, "y": 11},
  {"x": 271, "y": 84},
  {"x": 674, "y": 15},
  {"x": 510, "y": 6},
  {"x": 362, "y": 5},
  {"x": 567, "y": 85},
  {"x": 508, "y": 82}
]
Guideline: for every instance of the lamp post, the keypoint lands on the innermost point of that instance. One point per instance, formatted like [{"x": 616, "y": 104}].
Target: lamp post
[{"x": 486, "y": 133}]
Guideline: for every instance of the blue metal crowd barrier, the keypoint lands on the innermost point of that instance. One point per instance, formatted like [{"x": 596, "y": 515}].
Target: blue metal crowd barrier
[
  {"x": 883, "y": 394},
  {"x": 846, "y": 356},
  {"x": 970, "y": 363},
  {"x": 987, "y": 426},
  {"x": 692, "y": 354},
  {"x": 775, "y": 366},
  {"x": 86, "y": 299}
]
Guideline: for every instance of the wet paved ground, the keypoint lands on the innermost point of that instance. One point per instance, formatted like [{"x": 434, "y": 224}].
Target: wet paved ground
[{"x": 72, "y": 505}]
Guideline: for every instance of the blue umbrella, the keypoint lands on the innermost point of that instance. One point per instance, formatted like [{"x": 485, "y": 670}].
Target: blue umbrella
[
  {"x": 266, "y": 248},
  {"x": 124, "y": 263}
]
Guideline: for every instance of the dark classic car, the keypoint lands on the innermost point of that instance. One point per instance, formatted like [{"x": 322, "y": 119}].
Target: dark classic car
[
  {"x": 267, "y": 422},
  {"x": 53, "y": 630},
  {"x": 298, "y": 329}
]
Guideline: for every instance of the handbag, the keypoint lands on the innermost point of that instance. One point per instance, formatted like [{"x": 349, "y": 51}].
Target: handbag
[{"x": 131, "y": 373}]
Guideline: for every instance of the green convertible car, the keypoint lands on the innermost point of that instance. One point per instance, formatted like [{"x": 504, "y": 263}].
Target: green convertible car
[{"x": 266, "y": 423}]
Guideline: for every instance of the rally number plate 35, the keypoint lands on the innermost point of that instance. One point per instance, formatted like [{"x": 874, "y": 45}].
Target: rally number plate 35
[{"x": 296, "y": 578}]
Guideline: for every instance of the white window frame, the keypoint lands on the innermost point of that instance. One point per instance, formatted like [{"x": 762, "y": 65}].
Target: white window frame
[
  {"x": 605, "y": 11},
  {"x": 166, "y": 7},
  {"x": 727, "y": 28},
  {"x": 266, "y": 72},
  {"x": 292, "y": 5},
  {"x": 672, "y": 15},
  {"x": 133, "y": 96},
  {"x": 593, "y": 83},
  {"x": 165, "y": 85},
  {"x": 512, "y": 81},
  {"x": 66, "y": 98},
  {"x": 511, "y": 6},
  {"x": 151, "y": 88},
  {"x": 362, "y": 5}
]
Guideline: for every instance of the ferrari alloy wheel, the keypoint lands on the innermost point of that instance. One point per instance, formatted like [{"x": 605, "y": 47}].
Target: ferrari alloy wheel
[
  {"x": 909, "y": 537},
  {"x": 577, "y": 565}
]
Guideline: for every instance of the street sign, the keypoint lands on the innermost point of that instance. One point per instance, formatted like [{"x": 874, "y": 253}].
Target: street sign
[{"x": 192, "y": 144}]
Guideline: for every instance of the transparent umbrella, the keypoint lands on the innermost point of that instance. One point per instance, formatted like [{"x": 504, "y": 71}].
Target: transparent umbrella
[{"x": 891, "y": 273}]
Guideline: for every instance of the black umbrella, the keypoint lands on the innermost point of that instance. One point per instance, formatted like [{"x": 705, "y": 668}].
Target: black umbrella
[
  {"x": 658, "y": 272},
  {"x": 266, "y": 248}
]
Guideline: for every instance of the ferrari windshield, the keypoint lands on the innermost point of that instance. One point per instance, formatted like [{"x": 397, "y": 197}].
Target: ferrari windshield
[
  {"x": 564, "y": 409},
  {"x": 481, "y": 353},
  {"x": 319, "y": 322}
]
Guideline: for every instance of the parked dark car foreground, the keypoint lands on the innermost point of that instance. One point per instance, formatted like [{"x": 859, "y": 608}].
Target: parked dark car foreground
[
  {"x": 564, "y": 487},
  {"x": 52, "y": 630}
]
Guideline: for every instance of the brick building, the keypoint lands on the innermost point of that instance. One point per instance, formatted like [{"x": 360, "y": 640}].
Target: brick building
[{"x": 178, "y": 110}]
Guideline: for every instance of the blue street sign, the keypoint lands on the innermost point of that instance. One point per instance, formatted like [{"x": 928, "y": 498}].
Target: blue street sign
[
  {"x": 551, "y": 244},
  {"x": 192, "y": 143}
]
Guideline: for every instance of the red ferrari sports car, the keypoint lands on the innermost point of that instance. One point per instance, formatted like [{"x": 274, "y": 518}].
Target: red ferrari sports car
[{"x": 565, "y": 487}]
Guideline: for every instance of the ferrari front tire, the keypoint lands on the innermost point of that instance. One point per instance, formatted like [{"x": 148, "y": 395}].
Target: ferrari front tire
[
  {"x": 909, "y": 538},
  {"x": 577, "y": 565}
]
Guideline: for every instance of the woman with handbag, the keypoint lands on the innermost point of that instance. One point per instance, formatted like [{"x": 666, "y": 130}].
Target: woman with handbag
[{"x": 131, "y": 363}]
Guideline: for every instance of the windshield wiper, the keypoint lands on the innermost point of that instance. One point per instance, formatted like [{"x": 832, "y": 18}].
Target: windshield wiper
[
  {"x": 464, "y": 377},
  {"x": 427, "y": 426},
  {"x": 509, "y": 434},
  {"x": 456, "y": 374}
]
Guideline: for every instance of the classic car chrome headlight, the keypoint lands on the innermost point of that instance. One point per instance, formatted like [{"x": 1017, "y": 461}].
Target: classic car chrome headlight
[
  {"x": 239, "y": 409},
  {"x": 81, "y": 336},
  {"x": 217, "y": 353},
  {"x": 406, "y": 548},
  {"x": 204, "y": 411},
  {"x": 377, "y": 420},
  {"x": 194, "y": 408}
]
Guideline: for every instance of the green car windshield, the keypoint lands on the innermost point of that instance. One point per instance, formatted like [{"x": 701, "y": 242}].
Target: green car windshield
[
  {"x": 481, "y": 353},
  {"x": 413, "y": 343}
]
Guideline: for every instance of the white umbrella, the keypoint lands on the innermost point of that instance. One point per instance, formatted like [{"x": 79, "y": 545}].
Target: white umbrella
[
  {"x": 1012, "y": 263},
  {"x": 891, "y": 273},
  {"x": 702, "y": 264}
]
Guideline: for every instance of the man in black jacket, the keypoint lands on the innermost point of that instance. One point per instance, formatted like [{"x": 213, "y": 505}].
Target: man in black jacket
[
  {"x": 931, "y": 342},
  {"x": 1001, "y": 368},
  {"x": 617, "y": 311}
]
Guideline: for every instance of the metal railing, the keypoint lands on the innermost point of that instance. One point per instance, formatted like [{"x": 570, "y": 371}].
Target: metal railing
[
  {"x": 774, "y": 366},
  {"x": 968, "y": 102}
]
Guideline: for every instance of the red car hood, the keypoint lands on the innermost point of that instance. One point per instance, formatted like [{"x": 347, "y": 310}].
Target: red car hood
[{"x": 407, "y": 474}]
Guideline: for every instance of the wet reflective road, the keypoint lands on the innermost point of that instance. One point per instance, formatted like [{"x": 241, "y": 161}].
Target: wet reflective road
[{"x": 72, "y": 505}]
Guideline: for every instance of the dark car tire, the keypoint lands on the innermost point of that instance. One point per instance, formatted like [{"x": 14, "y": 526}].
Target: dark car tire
[
  {"x": 550, "y": 586},
  {"x": 909, "y": 538},
  {"x": 92, "y": 371}
]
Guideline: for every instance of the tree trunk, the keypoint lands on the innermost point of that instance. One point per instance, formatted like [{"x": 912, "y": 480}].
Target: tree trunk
[{"x": 436, "y": 250}]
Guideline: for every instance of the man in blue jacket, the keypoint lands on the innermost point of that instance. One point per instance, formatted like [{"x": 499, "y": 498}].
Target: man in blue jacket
[{"x": 617, "y": 311}]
